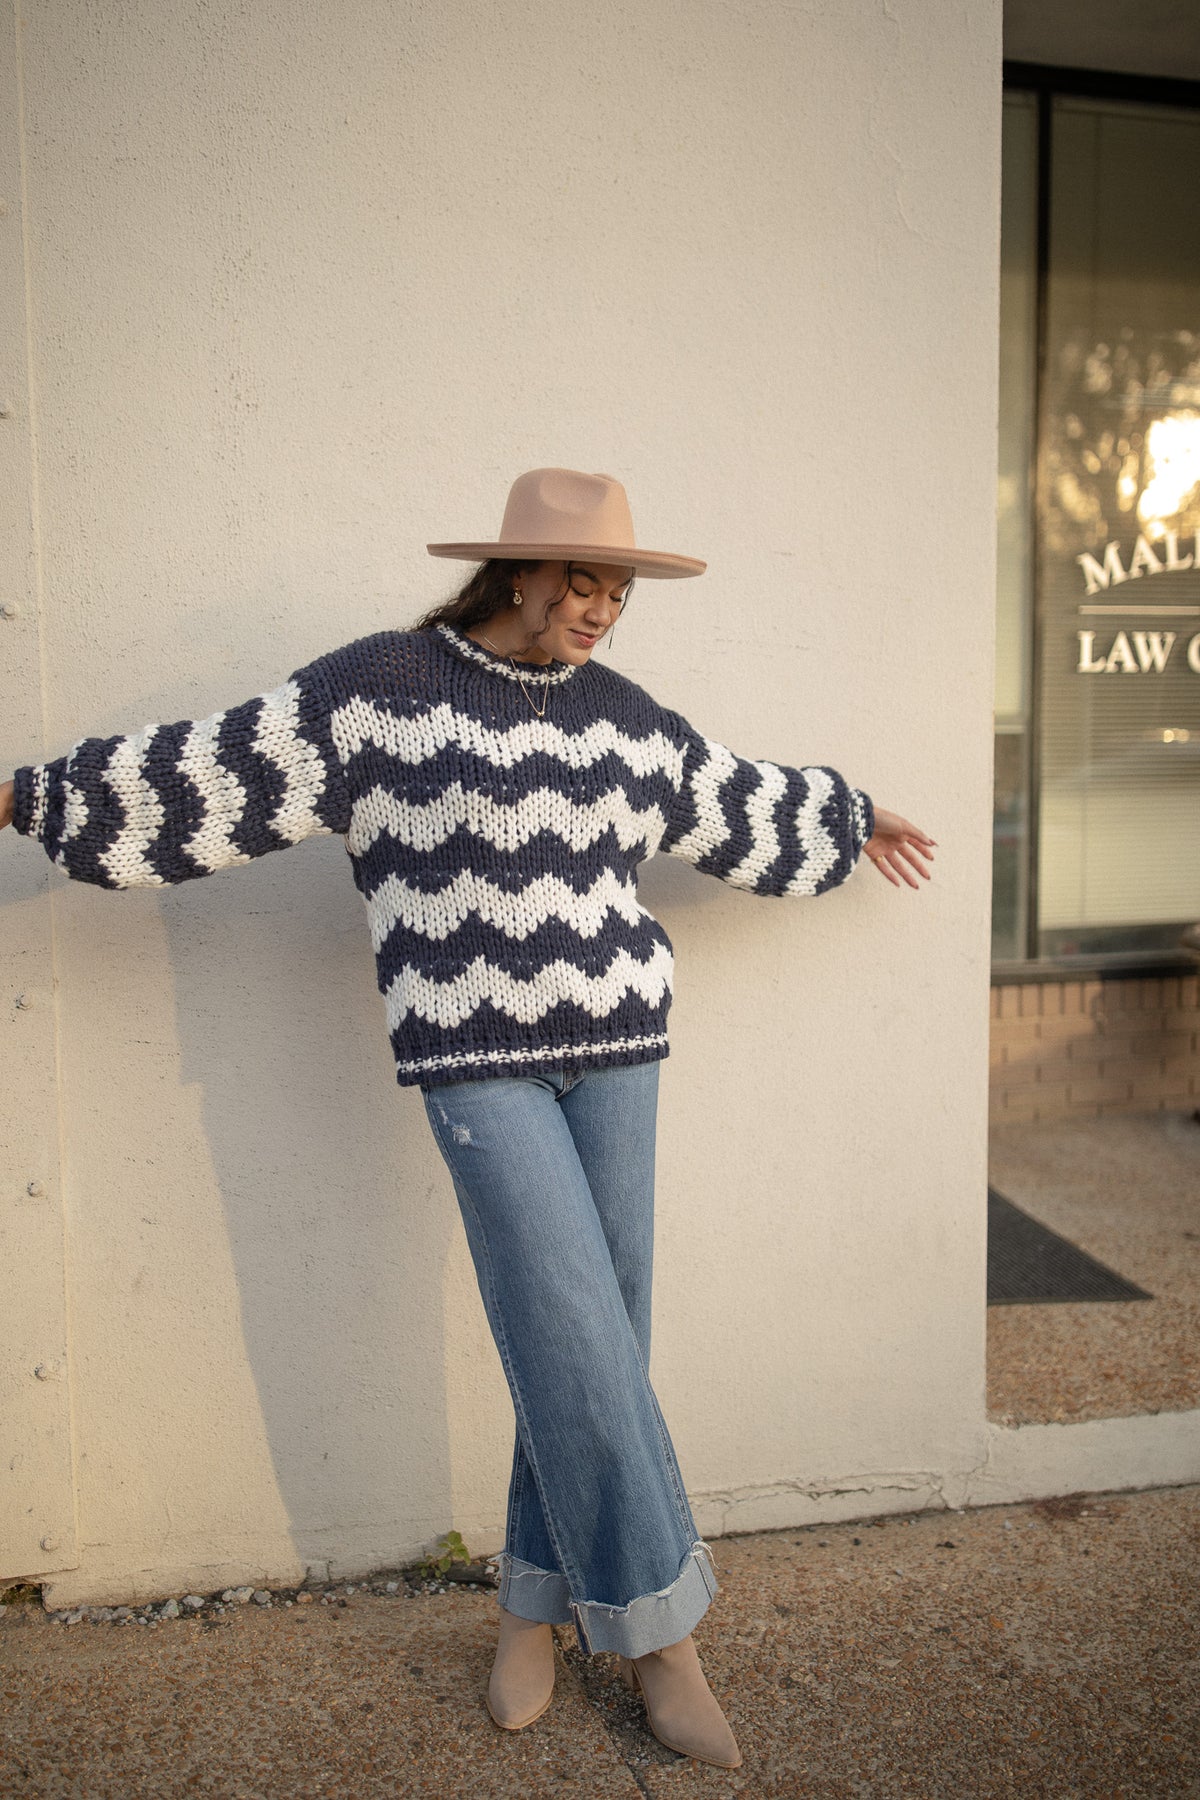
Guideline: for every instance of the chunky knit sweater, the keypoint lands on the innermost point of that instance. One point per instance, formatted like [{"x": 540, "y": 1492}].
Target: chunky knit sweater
[{"x": 496, "y": 850}]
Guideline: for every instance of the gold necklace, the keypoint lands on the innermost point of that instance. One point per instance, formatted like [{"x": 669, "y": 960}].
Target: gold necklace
[{"x": 539, "y": 711}]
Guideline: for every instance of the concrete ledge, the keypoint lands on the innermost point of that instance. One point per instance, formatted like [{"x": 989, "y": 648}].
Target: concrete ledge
[
  {"x": 788, "y": 1505},
  {"x": 1032, "y": 1462},
  {"x": 1025, "y": 1462}
]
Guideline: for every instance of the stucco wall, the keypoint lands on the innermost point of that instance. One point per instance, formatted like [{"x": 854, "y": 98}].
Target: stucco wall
[{"x": 304, "y": 288}]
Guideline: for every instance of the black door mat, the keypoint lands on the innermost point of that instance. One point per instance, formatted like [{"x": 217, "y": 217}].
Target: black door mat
[{"x": 1027, "y": 1262}]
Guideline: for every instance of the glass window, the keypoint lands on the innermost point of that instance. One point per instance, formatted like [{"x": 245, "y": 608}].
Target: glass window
[{"x": 1115, "y": 737}]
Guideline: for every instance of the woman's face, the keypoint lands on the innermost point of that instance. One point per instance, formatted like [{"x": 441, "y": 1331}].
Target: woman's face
[{"x": 588, "y": 609}]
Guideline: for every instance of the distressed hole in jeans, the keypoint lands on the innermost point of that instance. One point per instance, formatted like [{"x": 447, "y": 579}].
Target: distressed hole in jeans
[{"x": 461, "y": 1133}]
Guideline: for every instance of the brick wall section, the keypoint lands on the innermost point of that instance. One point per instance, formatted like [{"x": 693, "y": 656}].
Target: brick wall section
[{"x": 1080, "y": 1049}]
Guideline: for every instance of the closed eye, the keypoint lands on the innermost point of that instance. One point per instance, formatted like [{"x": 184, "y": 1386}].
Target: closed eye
[{"x": 586, "y": 594}]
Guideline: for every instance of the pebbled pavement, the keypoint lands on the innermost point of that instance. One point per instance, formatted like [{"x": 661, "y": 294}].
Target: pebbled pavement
[
  {"x": 1049, "y": 1649},
  {"x": 1125, "y": 1189}
]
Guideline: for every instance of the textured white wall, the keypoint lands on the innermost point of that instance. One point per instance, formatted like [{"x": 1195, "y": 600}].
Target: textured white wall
[{"x": 307, "y": 287}]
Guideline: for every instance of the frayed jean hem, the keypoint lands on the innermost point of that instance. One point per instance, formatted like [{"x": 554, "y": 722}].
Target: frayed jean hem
[{"x": 648, "y": 1622}]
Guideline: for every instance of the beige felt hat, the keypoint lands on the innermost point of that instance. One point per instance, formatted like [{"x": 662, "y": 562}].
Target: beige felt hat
[{"x": 553, "y": 514}]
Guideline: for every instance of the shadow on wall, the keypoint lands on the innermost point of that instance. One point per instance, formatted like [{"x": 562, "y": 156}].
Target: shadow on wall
[{"x": 339, "y": 1218}]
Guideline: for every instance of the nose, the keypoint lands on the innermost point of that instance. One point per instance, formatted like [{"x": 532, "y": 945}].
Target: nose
[{"x": 601, "y": 613}]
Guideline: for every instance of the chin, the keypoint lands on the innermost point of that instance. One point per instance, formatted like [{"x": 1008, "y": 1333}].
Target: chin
[{"x": 577, "y": 653}]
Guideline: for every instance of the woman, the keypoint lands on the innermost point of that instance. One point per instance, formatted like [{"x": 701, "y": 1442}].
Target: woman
[{"x": 497, "y": 791}]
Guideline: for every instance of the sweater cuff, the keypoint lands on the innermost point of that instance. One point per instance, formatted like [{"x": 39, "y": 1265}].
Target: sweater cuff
[
  {"x": 29, "y": 799},
  {"x": 862, "y": 812}
]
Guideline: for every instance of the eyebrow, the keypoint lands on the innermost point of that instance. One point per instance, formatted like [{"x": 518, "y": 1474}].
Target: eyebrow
[{"x": 580, "y": 570}]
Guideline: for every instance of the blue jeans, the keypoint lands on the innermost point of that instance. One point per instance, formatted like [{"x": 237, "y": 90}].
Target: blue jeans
[{"x": 554, "y": 1174}]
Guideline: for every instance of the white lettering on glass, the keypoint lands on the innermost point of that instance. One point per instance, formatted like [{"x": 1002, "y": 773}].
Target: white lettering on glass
[
  {"x": 1193, "y": 654},
  {"x": 1143, "y": 559},
  {"x": 1101, "y": 575},
  {"x": 1148, "y": 654},
  {"x": 1088, "y": 664},
  {"x": 1153, "y": 648},
  {"x": 1121, "y": 657},
  {"x": 1173, "y": 561},
  {"x": 1111, "y": 572}
]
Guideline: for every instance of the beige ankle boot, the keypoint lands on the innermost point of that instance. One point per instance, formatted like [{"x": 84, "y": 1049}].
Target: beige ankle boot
[
  {"x": 682, "y": 1710},
  {"x": 522, "y": 1680}
]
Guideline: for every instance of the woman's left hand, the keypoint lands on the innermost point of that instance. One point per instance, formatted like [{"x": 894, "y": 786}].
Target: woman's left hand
[{"x": 896, "y": 847}]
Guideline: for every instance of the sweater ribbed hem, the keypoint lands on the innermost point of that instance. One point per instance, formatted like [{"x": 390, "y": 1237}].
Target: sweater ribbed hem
[{"x": 479, "y": 1065}]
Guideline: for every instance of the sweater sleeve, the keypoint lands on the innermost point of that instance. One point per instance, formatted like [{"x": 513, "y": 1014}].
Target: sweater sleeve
[
  {"x": 761, "y": 825},
  {"x": 172, "y": 802}
]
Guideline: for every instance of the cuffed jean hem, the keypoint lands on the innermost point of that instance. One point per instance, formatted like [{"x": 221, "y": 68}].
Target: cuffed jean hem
[{"x": 649, "y": 1622}]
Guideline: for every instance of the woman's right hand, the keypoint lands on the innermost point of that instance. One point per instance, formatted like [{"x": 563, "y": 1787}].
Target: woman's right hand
[{"x": 6, "y": 802}]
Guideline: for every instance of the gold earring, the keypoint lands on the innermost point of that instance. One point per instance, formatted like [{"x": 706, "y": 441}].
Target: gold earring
[{"x": 518, "y": 597}]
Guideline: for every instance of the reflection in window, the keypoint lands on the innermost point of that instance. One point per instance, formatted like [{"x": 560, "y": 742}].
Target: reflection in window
[{"x": 1172, "y": 467}]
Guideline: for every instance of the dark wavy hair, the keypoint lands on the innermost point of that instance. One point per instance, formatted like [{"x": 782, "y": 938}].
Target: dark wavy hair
[
  {"x": 489, "y": 591},
  {"x": 485, "y": 592}
]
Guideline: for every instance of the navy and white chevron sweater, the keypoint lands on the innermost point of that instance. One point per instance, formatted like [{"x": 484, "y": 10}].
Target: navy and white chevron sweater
[{"x": 497, "y": 851}]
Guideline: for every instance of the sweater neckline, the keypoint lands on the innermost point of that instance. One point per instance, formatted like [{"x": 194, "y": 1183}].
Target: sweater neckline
[{"x": 540, "y": 674}]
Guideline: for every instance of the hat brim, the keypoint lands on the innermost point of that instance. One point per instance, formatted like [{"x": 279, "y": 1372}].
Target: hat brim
[{"x": 642, "y": 562}]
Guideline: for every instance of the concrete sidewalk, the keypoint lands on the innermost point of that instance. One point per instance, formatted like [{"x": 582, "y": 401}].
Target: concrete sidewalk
[
  {"x": 1127, "y": 1190},
  {"x": 1048, "y": 1649}
]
